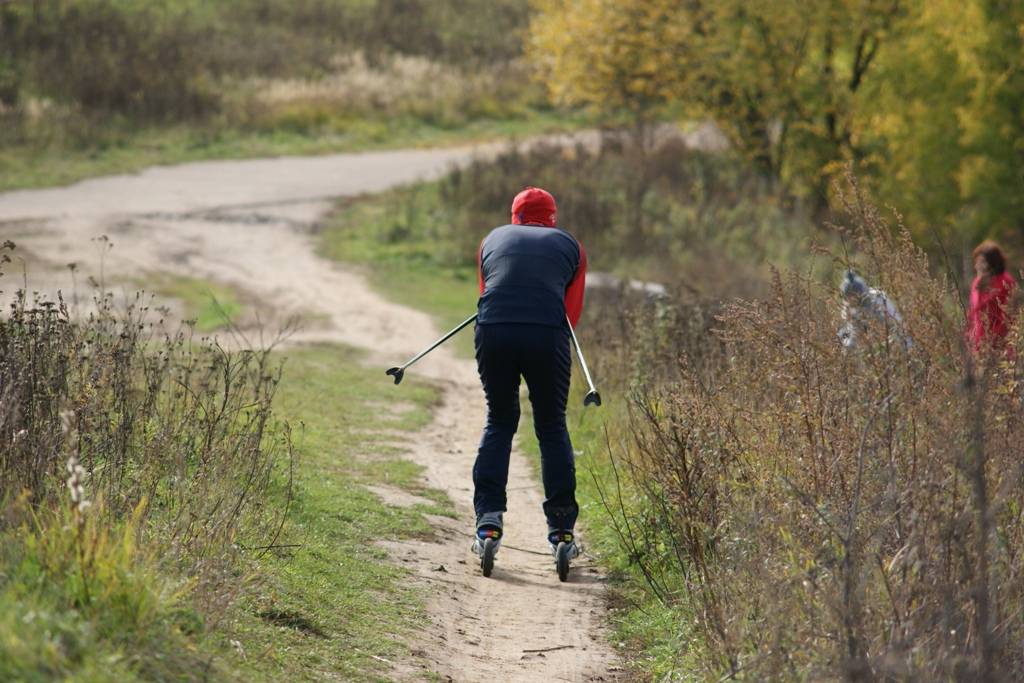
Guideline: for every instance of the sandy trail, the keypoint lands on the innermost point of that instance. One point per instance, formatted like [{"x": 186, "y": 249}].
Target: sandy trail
[{"x": 249, "y": 224}]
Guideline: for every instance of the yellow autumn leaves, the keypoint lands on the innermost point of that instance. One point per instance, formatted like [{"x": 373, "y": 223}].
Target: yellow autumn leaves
[{"x": 923, "y": 96}]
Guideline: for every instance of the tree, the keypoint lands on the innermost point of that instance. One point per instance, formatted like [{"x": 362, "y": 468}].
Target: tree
[
  {"x": 992, "y": 172},
  {"x": 947, "y": 118},
  {"x": 782, "y": 78},
  {"x": 623, "y": 60},
  {"x": 914, "y": 118},
  {"x": 620, "y": 58},
  {"x": 924, "y": 97}
]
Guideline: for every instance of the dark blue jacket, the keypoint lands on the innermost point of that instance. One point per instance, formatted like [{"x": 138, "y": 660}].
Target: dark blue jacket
[{"x": 531, "y": 274}]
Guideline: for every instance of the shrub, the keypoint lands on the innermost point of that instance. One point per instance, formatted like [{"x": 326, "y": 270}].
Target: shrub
[
  {"x": 688, "y": 219},
  {"x": 169, "y": 60},
  {"x": 826, "y": 513},
  {"x": 135, "y": 59},
  {"x": 175, "y": 426}
]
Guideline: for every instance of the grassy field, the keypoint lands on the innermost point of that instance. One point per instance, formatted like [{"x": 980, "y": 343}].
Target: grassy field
[
  {"x": 103, "y": 86},
  {"x": 335, "y": 605},
  {"x": 137, "y": 624},
  {"x": 758, "y": 521},
  {"x": 211, "y": 306},
  {"x": 28, "y": 166},
  {"x": 88, "y": 599}
]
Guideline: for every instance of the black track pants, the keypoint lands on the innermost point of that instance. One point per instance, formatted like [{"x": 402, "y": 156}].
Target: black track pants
[{"x": 541, "y": 355}]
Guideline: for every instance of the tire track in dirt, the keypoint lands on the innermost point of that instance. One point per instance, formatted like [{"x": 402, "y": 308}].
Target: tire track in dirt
[{"x": 249, "y": 225}]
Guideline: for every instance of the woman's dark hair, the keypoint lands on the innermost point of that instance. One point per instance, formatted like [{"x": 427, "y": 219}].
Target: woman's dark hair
[{"x": 994, "y": 256}]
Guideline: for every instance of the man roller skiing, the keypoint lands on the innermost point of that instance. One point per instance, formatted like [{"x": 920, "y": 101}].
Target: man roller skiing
[{"x": 531, "y": 276}]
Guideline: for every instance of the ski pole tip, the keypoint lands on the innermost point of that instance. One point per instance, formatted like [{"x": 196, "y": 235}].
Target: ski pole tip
[
  {"x": 397, "y": 373},
  {"x": 592, "y": 398}
]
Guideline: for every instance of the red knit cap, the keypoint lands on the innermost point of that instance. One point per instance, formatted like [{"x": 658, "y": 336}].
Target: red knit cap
[{"x": 534, "y": 205}]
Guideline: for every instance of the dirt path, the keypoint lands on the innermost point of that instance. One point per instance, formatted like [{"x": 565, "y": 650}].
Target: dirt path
[{"x": 249, "y": 224}]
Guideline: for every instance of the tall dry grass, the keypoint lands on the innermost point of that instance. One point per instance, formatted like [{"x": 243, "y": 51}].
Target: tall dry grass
[
  {"x": 354, "y": 88},
  {"x": 163, "y": 425},
  {"x": 81, "y": 72},
  {"x": 828, "y": 513}
]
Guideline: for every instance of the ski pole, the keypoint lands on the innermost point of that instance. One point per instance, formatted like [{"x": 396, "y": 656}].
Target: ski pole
[
  {"x": 399, "y": 372},
  {"x": 592, "y": 396}
]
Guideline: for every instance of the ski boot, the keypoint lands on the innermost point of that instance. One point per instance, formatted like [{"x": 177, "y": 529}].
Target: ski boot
[
  {"x": 564, "y": 548},
  {"x": 488, "y": 540}
]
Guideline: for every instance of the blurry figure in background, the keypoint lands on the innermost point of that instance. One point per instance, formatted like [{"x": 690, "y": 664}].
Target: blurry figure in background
[
  {"x": 864, "y": 306},
  {"x": 989, "y": 317}
]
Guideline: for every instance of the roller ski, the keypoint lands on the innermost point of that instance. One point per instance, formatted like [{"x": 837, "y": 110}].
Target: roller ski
[
  {"x": 488, "y": 540},
  {"x": 564, "y": 549}
]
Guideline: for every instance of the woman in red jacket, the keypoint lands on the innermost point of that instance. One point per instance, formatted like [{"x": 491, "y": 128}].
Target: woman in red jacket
[{"x": 989, "y": 317}]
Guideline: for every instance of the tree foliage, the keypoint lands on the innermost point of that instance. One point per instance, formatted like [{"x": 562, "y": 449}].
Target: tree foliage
[{"x": 925, "y": 95}]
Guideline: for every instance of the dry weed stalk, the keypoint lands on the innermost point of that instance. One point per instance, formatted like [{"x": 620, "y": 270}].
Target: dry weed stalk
[
  {"x": 829, "y": 513},
  {"x": 175, "y": 430}
]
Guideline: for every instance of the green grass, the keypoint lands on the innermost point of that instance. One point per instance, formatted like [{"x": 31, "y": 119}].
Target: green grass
[
  {"x": 123, "y": 620},
  {"x": 212, "y": 306},
  {"x": 327, "y": 608},
  {"x": 329, "y": 604},
  {"x": 109, "y": 151},
  {"x": 374, "y": 233}
]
